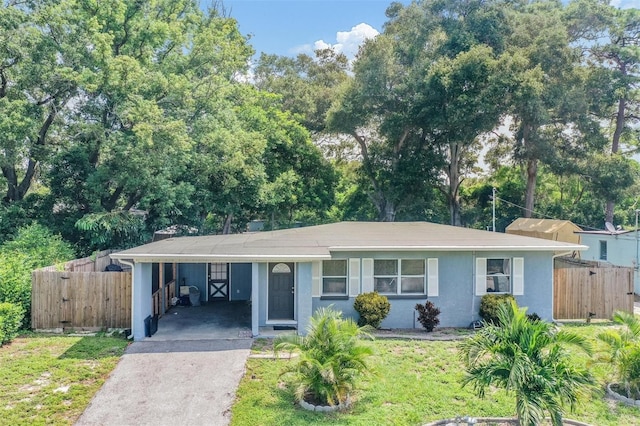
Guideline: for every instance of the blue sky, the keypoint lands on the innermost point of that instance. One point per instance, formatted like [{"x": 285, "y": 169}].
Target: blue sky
[{"x": 288, "y": 27}]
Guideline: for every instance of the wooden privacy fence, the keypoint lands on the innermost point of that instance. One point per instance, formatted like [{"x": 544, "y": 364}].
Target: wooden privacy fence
[
  {"x": 96, "y": 263},
  {"x": 80, "y": 300},
  {"x": 582, "y": 291}
]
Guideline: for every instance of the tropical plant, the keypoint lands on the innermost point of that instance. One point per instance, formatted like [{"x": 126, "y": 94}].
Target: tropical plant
[
  {"x": 332, "y": 357},
  {"x": 372, "y": 307},
  {"x": 428, "y": 315},
  {"x": 624, "y": 351},
  {"x": 529, "y": 359}
]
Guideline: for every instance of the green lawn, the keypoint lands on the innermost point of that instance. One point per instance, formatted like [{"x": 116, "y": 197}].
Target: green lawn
[
  {"x": 51, "y": 379},
  {"x": 414, "y": 382}
]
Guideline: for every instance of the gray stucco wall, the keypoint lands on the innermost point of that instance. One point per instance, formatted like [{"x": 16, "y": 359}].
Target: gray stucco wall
[
  {"x": 262, "y": 293},
  {"x": 456, "y": 299},
  {"x": 303, "y": 295}
]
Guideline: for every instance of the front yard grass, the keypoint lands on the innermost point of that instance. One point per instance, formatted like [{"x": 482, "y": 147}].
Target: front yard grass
[
  {"x": 414, "y": 382},
  {"x": 48, "y": 379}
]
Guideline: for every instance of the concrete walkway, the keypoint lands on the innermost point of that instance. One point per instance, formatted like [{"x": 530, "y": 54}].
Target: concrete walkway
[{"x": 171, "y": 383}]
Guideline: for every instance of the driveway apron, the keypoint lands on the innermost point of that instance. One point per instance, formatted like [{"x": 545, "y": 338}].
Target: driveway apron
[{"x": 171, "y": 383}]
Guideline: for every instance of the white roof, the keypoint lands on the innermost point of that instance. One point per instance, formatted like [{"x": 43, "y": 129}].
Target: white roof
[{"x": 318, "y": 242}]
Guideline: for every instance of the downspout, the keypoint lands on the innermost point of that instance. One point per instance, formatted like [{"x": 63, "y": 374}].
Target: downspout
[
  {"x": 553, "y": 281},
  {"x": 133, "y": 274}
]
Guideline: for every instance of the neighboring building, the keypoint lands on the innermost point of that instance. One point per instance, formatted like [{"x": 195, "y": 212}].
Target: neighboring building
[
  {"x": 549, "y": 229},
  {"x": 617, "y": 247},
  {"x": 287, "y": 274}
]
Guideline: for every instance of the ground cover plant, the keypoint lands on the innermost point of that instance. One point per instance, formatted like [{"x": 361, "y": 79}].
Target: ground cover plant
[
  {"x": 414, "y": 382},
  {"x": 51, "y": 379}
]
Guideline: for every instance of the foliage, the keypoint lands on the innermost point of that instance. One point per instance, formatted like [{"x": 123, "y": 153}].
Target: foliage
[
  {"x": 332, "y": 358},
  {"x": 33, "y": 247},
  {"x": 372, "y": 307},
  {"x": 527, "y": 358},
  {"x": 428, "y": 315},
  {"x": 415, "y": 384},
  {"x": 624, "y": 351},
  {"x": 490, "y": 306},
  {"x": 120, "y": 229},
  {"x": 11, "y": 316}
]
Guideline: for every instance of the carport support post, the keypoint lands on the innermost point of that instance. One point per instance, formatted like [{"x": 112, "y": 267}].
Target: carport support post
[
  {"x": 255, "y": 327},
  {"x": 141, "y": 296}
]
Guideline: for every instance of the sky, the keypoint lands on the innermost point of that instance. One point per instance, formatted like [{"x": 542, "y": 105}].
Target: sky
[{"x": 289, "y": 27}]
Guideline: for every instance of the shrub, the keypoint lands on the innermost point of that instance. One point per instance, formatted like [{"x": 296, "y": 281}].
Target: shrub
[
  {"x": 332, "y": 357},
  {"x": 428, "y": 315},
  {"x": 372, "y": 307},
  {"x": 34, "y": 247},
  {"x": 624, "y": 351},
  {"x": 490, "y": 304},
  {"x": 10, "y": 320}
]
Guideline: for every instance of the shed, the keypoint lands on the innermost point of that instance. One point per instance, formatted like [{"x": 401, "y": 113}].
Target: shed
[{"x": 549, "y": 229}]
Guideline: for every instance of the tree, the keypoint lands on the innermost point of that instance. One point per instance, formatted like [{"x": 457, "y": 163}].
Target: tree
[
  {"x": 375, "y": 108},
  {"x": 610, "y": 38},
  {"x": 39, "y": 75},
  {"x": 526, "y": 357}
]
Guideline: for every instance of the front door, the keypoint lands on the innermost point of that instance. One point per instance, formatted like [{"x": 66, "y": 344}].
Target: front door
[
  {"x": 281, "y": 291},
  {"x": 218, "y": 281}
]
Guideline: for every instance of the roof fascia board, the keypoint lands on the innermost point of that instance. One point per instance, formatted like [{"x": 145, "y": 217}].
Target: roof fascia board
[
  {"x": 209, "y": 258},
  {"x": 458, "y": 248}
]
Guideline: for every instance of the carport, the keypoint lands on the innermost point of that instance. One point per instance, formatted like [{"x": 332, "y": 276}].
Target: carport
[{"x": 212, "y": 320}]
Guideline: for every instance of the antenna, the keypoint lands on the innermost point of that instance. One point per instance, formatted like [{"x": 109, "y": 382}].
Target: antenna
[{"x": 610, "y": 227}]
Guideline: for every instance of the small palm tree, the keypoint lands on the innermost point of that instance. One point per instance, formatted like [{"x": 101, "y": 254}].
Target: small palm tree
[
  {"x": 624, "y": 351},
  {"x": 332, "y": 357},
  {"x": 526, "y": 357}
]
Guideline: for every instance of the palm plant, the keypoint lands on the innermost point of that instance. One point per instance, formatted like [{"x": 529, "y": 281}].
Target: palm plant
[
  {"x": 529, "y": 358},
  {"x": 332, "y": 357},
  {"x": 624, "y": 351}
]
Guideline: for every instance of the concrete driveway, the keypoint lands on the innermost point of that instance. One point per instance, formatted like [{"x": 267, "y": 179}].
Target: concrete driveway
[{"x": 171, "y": 383}]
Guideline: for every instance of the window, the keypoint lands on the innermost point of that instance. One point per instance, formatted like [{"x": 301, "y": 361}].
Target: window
[
  {"x": 499, "y": 275},
  {"x": 603, "y": 250},
  {"x": 410, "y": 273},
  {"x": 334, "y": 277}
]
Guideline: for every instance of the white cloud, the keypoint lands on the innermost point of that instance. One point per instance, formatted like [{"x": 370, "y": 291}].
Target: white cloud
[{"x": 347, "y": 42}]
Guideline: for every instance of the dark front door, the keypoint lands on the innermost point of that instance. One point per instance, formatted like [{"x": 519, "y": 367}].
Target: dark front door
[
  {"x": 218, "y": 281},
  {"x": 281, "y": 291}
]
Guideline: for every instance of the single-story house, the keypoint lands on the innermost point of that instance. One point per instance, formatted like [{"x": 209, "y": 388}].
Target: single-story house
[
  {"x": 617, "y": 247},
  {"x": 287, "y": 274}
]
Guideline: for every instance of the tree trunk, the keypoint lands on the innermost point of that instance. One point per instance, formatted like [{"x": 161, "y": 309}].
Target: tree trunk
[
  {"x": 453, "y": 173},
  {"x": 529, "y": 198},
  {"x": 615, "y": 147},
  {"x": 226, "y": 229}
]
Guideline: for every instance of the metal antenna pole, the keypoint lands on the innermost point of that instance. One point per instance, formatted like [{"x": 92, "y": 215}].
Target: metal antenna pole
[{"x": 494, "y": 211}]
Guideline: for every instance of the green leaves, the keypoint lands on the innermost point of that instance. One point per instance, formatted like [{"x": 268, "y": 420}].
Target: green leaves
[
  {"x": 332, "y": 357},
  {"x": 527, "y": 358}
]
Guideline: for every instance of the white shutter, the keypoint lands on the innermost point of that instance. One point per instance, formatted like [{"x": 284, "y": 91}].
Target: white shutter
[
  {"x": 367, "y": 275},
  {"x": 432, "y": 277},
  {"x": 354, "y": 277},
  {"x": 518, "y": 276},
  {"x": 481, "y": 276},
  {"x": 315, "y": 278}
]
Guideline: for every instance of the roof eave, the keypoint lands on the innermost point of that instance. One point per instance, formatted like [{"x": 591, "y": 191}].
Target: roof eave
[
  {"x": 215, "y": 258},
  {"x": 458, "y": 248}
]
